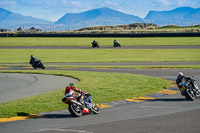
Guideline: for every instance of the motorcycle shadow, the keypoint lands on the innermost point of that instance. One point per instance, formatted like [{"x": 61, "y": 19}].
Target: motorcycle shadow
[
  {"x": 57, "y": 116},
  {"x": 168, "y": 100},
  {"x": 48, "y": 116}
]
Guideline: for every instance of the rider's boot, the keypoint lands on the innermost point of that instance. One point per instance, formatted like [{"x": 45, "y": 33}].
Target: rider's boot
[
  {"x": 198, "y": 93},
  {"x": 82, "y": 102}
]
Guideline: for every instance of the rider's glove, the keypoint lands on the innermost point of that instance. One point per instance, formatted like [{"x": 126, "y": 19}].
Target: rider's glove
[{"x": 83, "y": 93}]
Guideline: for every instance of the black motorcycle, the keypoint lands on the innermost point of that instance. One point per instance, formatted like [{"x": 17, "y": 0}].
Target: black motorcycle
[
  {"x": 95, "y": 44},
  {"x": 190, "y": 89},
  {"x": 37, "y": 64},
  {"x": 116, "y": 44}
]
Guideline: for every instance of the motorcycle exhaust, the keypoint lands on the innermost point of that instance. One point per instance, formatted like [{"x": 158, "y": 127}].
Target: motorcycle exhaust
[{"x": 79, "y": 104}]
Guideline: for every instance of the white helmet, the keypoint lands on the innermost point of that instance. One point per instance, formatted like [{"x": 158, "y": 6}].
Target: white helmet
[{"x": 180, "y": 74}]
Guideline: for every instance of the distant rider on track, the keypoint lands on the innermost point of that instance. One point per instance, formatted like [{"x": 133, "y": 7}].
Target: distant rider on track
[
  {"x": 95, "y": 44},
  {"x": 33, "y": 60},
  {"x": 181, "y": 79}
]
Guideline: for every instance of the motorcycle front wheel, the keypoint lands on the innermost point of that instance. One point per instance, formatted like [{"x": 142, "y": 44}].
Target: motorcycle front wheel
[
  {"x": 75, "y": 110},
  {"x": 34, "y": 67},
  {"x": 95, "y": 109},
  {"x": 42, "y": 66}
]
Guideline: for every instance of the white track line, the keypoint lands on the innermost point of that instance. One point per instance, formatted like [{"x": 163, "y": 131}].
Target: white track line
[{"x": 64, "y": 130}]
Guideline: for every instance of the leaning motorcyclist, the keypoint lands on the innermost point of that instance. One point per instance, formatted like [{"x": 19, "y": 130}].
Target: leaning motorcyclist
[
  {"x": 95, "y": 43},
  {"x": 115, "y": 43},
  {"x": 33, "y": 59},
  {"x": 70, "y": 92},
  {"x": 181, "y": 79}
]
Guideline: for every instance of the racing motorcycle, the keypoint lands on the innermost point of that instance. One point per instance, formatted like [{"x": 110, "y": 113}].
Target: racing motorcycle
[
  {"x": 37, "y": 64},
  {"x": 190, "y": 89},
  {"x": 78, "y": 109},
  {"x": 116, "y": 44},
  {"x": 95, "y": 44}
]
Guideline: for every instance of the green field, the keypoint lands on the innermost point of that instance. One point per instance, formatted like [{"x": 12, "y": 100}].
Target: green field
[
  {"x": 100, "y": 85},
  {"x": 105, "y": 87},
  {"x": 104, "y": 41},
  {"x": 99, "y": 55},
  {"x": 130, "y": 66}
]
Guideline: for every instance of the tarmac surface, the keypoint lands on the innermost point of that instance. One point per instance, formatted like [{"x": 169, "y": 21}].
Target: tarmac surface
[
  {"x": 166, "y": 113},
  {"x": 16, "y": 86}
]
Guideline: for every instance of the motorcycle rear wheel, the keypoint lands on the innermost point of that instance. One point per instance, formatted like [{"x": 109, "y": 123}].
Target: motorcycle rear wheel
[
  {"x": 190, "y": 96},
  {"x": 75, "y": 110},
  {"x": 42, "y": 66}
]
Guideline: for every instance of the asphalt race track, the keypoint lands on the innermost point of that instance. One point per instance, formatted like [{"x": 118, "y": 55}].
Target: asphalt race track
[
  {"x": 17, "y": 86},
  {"x": 167, "y": 113}
]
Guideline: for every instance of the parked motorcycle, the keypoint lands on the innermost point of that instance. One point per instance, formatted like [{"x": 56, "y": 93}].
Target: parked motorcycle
[
  {"x": 78, "y": 109},
  {"x": 190, "y": 89},
  {"x": 36, "y": 63}
]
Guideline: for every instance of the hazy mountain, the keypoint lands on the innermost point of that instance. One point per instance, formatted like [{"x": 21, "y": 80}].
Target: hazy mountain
[
  {"x": 100, "y": 16},
  {"x": 182, "y": 16},
  {"x": 10, "y": 19}
]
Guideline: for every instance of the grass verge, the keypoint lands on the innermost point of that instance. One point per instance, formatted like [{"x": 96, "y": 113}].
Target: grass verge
[
  {"x": 99, "y": 55},
  {"x": 104, "y": 87},
  {"x": 115, "y": 66},
  {"x": 103, "y": 41},
  {"x": 136, "y": 66}
]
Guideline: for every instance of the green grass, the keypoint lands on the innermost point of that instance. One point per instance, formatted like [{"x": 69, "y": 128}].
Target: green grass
[
  {"x": 103, "y": 41},
  {"x": 174, "y": 27},
  {"x": 112, "y": 66},
  {"x": 104, "y": 87},
  {"x": 133, "y": 66},
  {"x": 99, "y": 55}
]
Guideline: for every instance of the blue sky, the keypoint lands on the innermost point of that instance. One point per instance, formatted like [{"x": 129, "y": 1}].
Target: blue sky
[{"x": 54, "y": 9}]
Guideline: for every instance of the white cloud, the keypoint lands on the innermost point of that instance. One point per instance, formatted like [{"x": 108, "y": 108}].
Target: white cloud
[
  {"x": 76, "y": 7},
  {"x": 64, "y": 1},
  {"x": 10, "y": 4},
  {"x": 120, "y": 10},
  {"x": 111, "y": 3},
  {"x": 165, "y": 2},
  {"x": 184, "y": 2},
  {"x": 76, "y": 3}
]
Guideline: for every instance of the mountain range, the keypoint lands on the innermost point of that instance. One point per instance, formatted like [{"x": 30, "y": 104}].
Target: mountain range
[
  {"x": 10, "y": 19},
  {"x": 182, "y": 16},
  {"x": 101, "y": 16}
]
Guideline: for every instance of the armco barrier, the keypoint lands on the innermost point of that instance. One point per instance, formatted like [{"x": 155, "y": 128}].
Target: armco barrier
[{"x": 185, "y": 34}]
